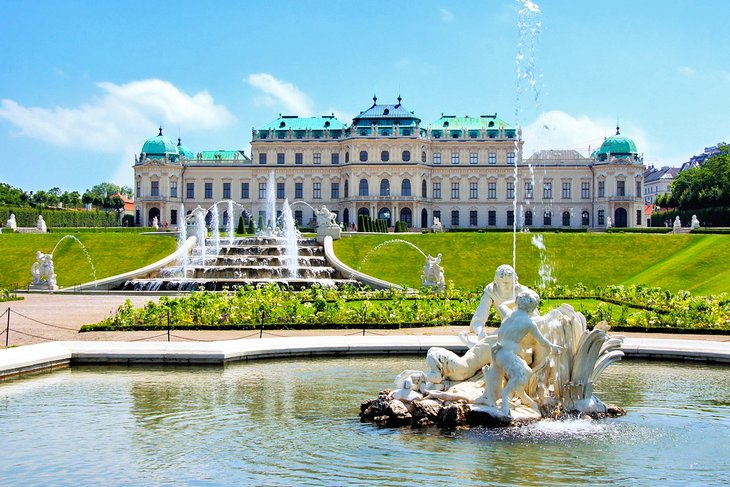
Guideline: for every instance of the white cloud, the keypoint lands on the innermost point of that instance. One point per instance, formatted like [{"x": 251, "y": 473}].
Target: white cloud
[
  {"x": 686, "y": 71},
  {"x": 560, "y": 130},
  {"x": 281, "y": 93},
  {"x": 446, "y": 15}
]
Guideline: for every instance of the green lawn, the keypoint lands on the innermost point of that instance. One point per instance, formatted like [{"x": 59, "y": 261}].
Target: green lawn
[
  {"x": 698, "y": 263},
  {"x": 111, "y": 253}
]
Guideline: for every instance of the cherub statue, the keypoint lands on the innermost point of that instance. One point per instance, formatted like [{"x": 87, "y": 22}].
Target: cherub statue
[
  {"x": 11, "y": 224},
  {"x": 326, "y": 218},
  {"x": 433, "y": 273},
  {"x": 42, "y": 270},
  {"x": 42, "y": 224}
]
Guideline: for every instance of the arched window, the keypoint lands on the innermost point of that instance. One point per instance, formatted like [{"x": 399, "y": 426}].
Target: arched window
[
  {"x": 424, "y": 218},
  {"x": 566, "y": 218},
  {"x": 363, "y": 191},
  {"x": 547, "y": 219},
  {"x": 406, "y": 216},
  {"x": 424, "y": 187},
  {"x": 385, "y": 156},
  {"x": 406, "y": 155},
  {"x": 384, "y": 214},
  {"x": 384, "y": 187},
  {"x": 423, "y": 156},
  {"x": 363, "y": 156},
  {"x": 585, "y": 218},
  {"x": 363, "y": 211},
  {"x": 347, "y": 156},
  {"x": 347, "y": 188},
  {"x": 346, "y": 217},
  {"x": 405, "y": 187},
  {"x": 528, "y": 218}
]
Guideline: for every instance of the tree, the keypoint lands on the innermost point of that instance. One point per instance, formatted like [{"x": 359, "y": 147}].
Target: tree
[{"x": 704, "y": 186}]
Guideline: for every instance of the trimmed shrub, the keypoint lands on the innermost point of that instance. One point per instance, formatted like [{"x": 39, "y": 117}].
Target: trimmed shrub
[
  {"x": 28, "y": 217},
  {"x": 240, "y": 229},
  {"x": 709, "y": 217}
]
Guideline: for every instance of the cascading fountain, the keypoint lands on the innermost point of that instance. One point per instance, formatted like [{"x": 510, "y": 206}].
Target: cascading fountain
[{"x": 290, "y": 234}]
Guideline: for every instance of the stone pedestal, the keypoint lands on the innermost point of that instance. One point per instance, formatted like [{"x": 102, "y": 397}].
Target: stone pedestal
[{"x": 334, "y": 231}]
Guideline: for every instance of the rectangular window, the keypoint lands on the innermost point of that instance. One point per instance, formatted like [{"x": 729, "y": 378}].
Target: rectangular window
[
  {"x": 454, "y": 218},
  {"x": 208, "y": 191},
  {"x": 492, "y": 218},
  {"x": 317, "y": 158},
  {"x": 190, "y": 189},
  {"x": 585, "y": 190},
  {"x": 317, "y": 191},
  {"x": 601, "y": 189},
  {"x": 262, "y": 191},
  {"x": 454, "y": 158},
  {"x": 547, "y": 191},
  {"x": 437, "y": 191},
  {"x": 298, "y": 217},
  {"x": 437, "y": 158},
  {"x": 298, "y": 191},
  {"x": 280, "y": 158},
  {"x": 528, "y": 190},
  {"x": 472, "y": 218},
  {"x": 510, "y": 218},
  {"x": 173, "y": 189},
  {"x": 547, "y": 219},
  {"x": 638, "y": 217},
  {"x": 473, "y": 158},
  {"x": 244, "y": 191},
  {"x": 335, "y": 191},
  {"x": 262, "y": 158},
  {"x": 566, "y": 191},
  {"x": 492, "y": 158},
  {"x": 454, "y": 191},
  {"x": 154, "y": 188},
  {"x": 226, "y": 191},
  {"x": 173, "y": 217},
  {"x": 638, "y": 188},
  {"x": 492, "y": 191},
  {"x": 298, "y": 158},
  {"x": 473, "y": 191},
  {"x": 620, "y": 188},
  {"x": 510, "y": 191},
  {"x": 139, "y": 189},
  {"x": 437, "y": 214},
  {"x": 511, "y": 158},
  {"x": 280, "y": 191},
  {"x": 601, "y": 217},
  {"x": 335, "y": 158}
]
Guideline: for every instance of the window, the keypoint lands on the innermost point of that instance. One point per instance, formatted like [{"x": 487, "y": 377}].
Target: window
[
  {"x": 454, "y": 218},
  {"x": 385, "y": 156},
  {"x": 280, "y": 191},
  {"x": 363, "y": 191},
  {"x": 492, "y": 158},
  {"x": 335, "y": 158},
  {"x": 472, "y": 218},
  {"x": 335, "y": 193},
  {"x": 511, "y": 158},
  {"x": 317, "y": 158},
  {"x": 280, "y": 158},
  {"x": 566, "y": 218},
  {"x": 262, "y": 158},
  {"x": 347, "y": 156},
  {"x": 510, "y": 191},
  {"x": 424, "y": 190},
  {"x": 208, "y": 191},
  {"x": 154, "y": 188},
  {"x": 455, "y": 191},
  {"x": 363, "y": 156},
  {"x": 473, "y": 190},
  {"x": 454, "y": 158},
  {"x": 437, "y": 214},
  {"x": 601, "y": 189},
  {"x": 566, "y": 191},
  {"x": 244, "y": 191},
  {"x": 298, "y": 217},
  {"x": 173, "y": 217},
  {"x": 317, "y": 191},
  {"x": 437, "y": 158},
  {"x": 547, "y": 191},
  {"x": 405, "y": 187},
  {"x": 528, "y": 190},
  {"x": 262, "y": 191},
  {"x": 406, "y": 156},
  {"x": 492, "y": 191},
  {"x": 510, "y": 217},
  {"x": 492, "y": 218},
  {"x": 620, "y": 188},
  {"x": 384, "y": 187},
  {"x": 347, "y": 189},
  {"x": 298, "y": 191},
  {"x": 473, "y": 158},
  {"x": 601, "y": 217},
  {"x": 226, "y": 191},
  {"x": 638, "y": 189},
  {"x": 547, "y": 219},
  {"x": 406, "y": 216},
  {"x": 638, "y": 217},
  {"x": 585, "y": 190},
  {"x": 139, "y": 189},
  {"x": 298, "y": 158},
  {"x": 584, "y": 218},
  {"x": 437, "y": 191},
  {"x": 528, "y": 218},
  {"x": 173, "y": 190},
  {"x": 423, "y": 156}
]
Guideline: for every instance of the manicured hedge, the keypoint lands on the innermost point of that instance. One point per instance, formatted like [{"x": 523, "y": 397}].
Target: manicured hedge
[
  {"x": 639, "y": 230},
  {"x": 28, "y": 217},
  {"x": 712, "y": 217}
]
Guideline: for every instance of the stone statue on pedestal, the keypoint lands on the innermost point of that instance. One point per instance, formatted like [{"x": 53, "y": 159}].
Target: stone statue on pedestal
[{"x": 43, "y": 273}]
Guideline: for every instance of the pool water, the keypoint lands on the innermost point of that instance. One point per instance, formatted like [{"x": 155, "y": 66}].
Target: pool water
[{"x": 295, "y": 422}]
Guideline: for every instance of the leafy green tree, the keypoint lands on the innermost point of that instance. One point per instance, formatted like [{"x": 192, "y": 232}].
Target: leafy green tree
[{"x": 705, "y": 186}]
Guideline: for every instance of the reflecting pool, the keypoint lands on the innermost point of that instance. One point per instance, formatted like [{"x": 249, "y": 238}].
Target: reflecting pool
[{"x": 295, "y": 422}]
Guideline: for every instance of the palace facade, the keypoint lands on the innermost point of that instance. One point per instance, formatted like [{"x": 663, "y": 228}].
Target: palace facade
[{"x": 465, "y": 171}]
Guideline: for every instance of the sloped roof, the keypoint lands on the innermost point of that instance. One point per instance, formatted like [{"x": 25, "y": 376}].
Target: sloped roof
[
  {"x": 483, "y": 122},
  {"x": 292, "y": 122}
]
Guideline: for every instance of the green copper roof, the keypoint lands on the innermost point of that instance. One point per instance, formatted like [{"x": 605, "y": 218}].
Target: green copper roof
[
  {"x": 484, "y": 122},
  {"x": 617, "y": 145},
  {"x": 159, "y": 146},
  {"x": 184, "y": 151},
  {"x": 223, "y": 155},
  {"x": 290, "y": 122}
]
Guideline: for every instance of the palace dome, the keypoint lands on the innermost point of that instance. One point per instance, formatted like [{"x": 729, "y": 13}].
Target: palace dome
[
  {"x": 617, "y": 146},
  {"x": 159, "y": 147}
]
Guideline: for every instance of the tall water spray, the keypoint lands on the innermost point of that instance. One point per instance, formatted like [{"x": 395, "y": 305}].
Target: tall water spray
[
  {"x": 202, "y": 232},
  {"x": 231, "y": 232},
  {"x": 216, "y": 231},
  {"x": 182, "y": 238},
  {"x": 289, "y": 232},
  {"x": 270, "y": 220}
]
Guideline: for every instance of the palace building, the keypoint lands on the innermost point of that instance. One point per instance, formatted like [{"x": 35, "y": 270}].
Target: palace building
[{"x": 465, "y": 171}]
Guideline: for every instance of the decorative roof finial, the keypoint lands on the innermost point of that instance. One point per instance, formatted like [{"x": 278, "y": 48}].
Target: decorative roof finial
[
  {"x": 160, "y": 134},
  {"x": 375, "y": 99},
  {"x": 399, "y": 98},
  {"x": 617, "y": 130},
  {"x": 179, "y": 142}
]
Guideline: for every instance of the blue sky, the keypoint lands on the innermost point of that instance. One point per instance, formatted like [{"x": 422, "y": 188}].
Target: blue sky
[{"x": 84, "y": 84}]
